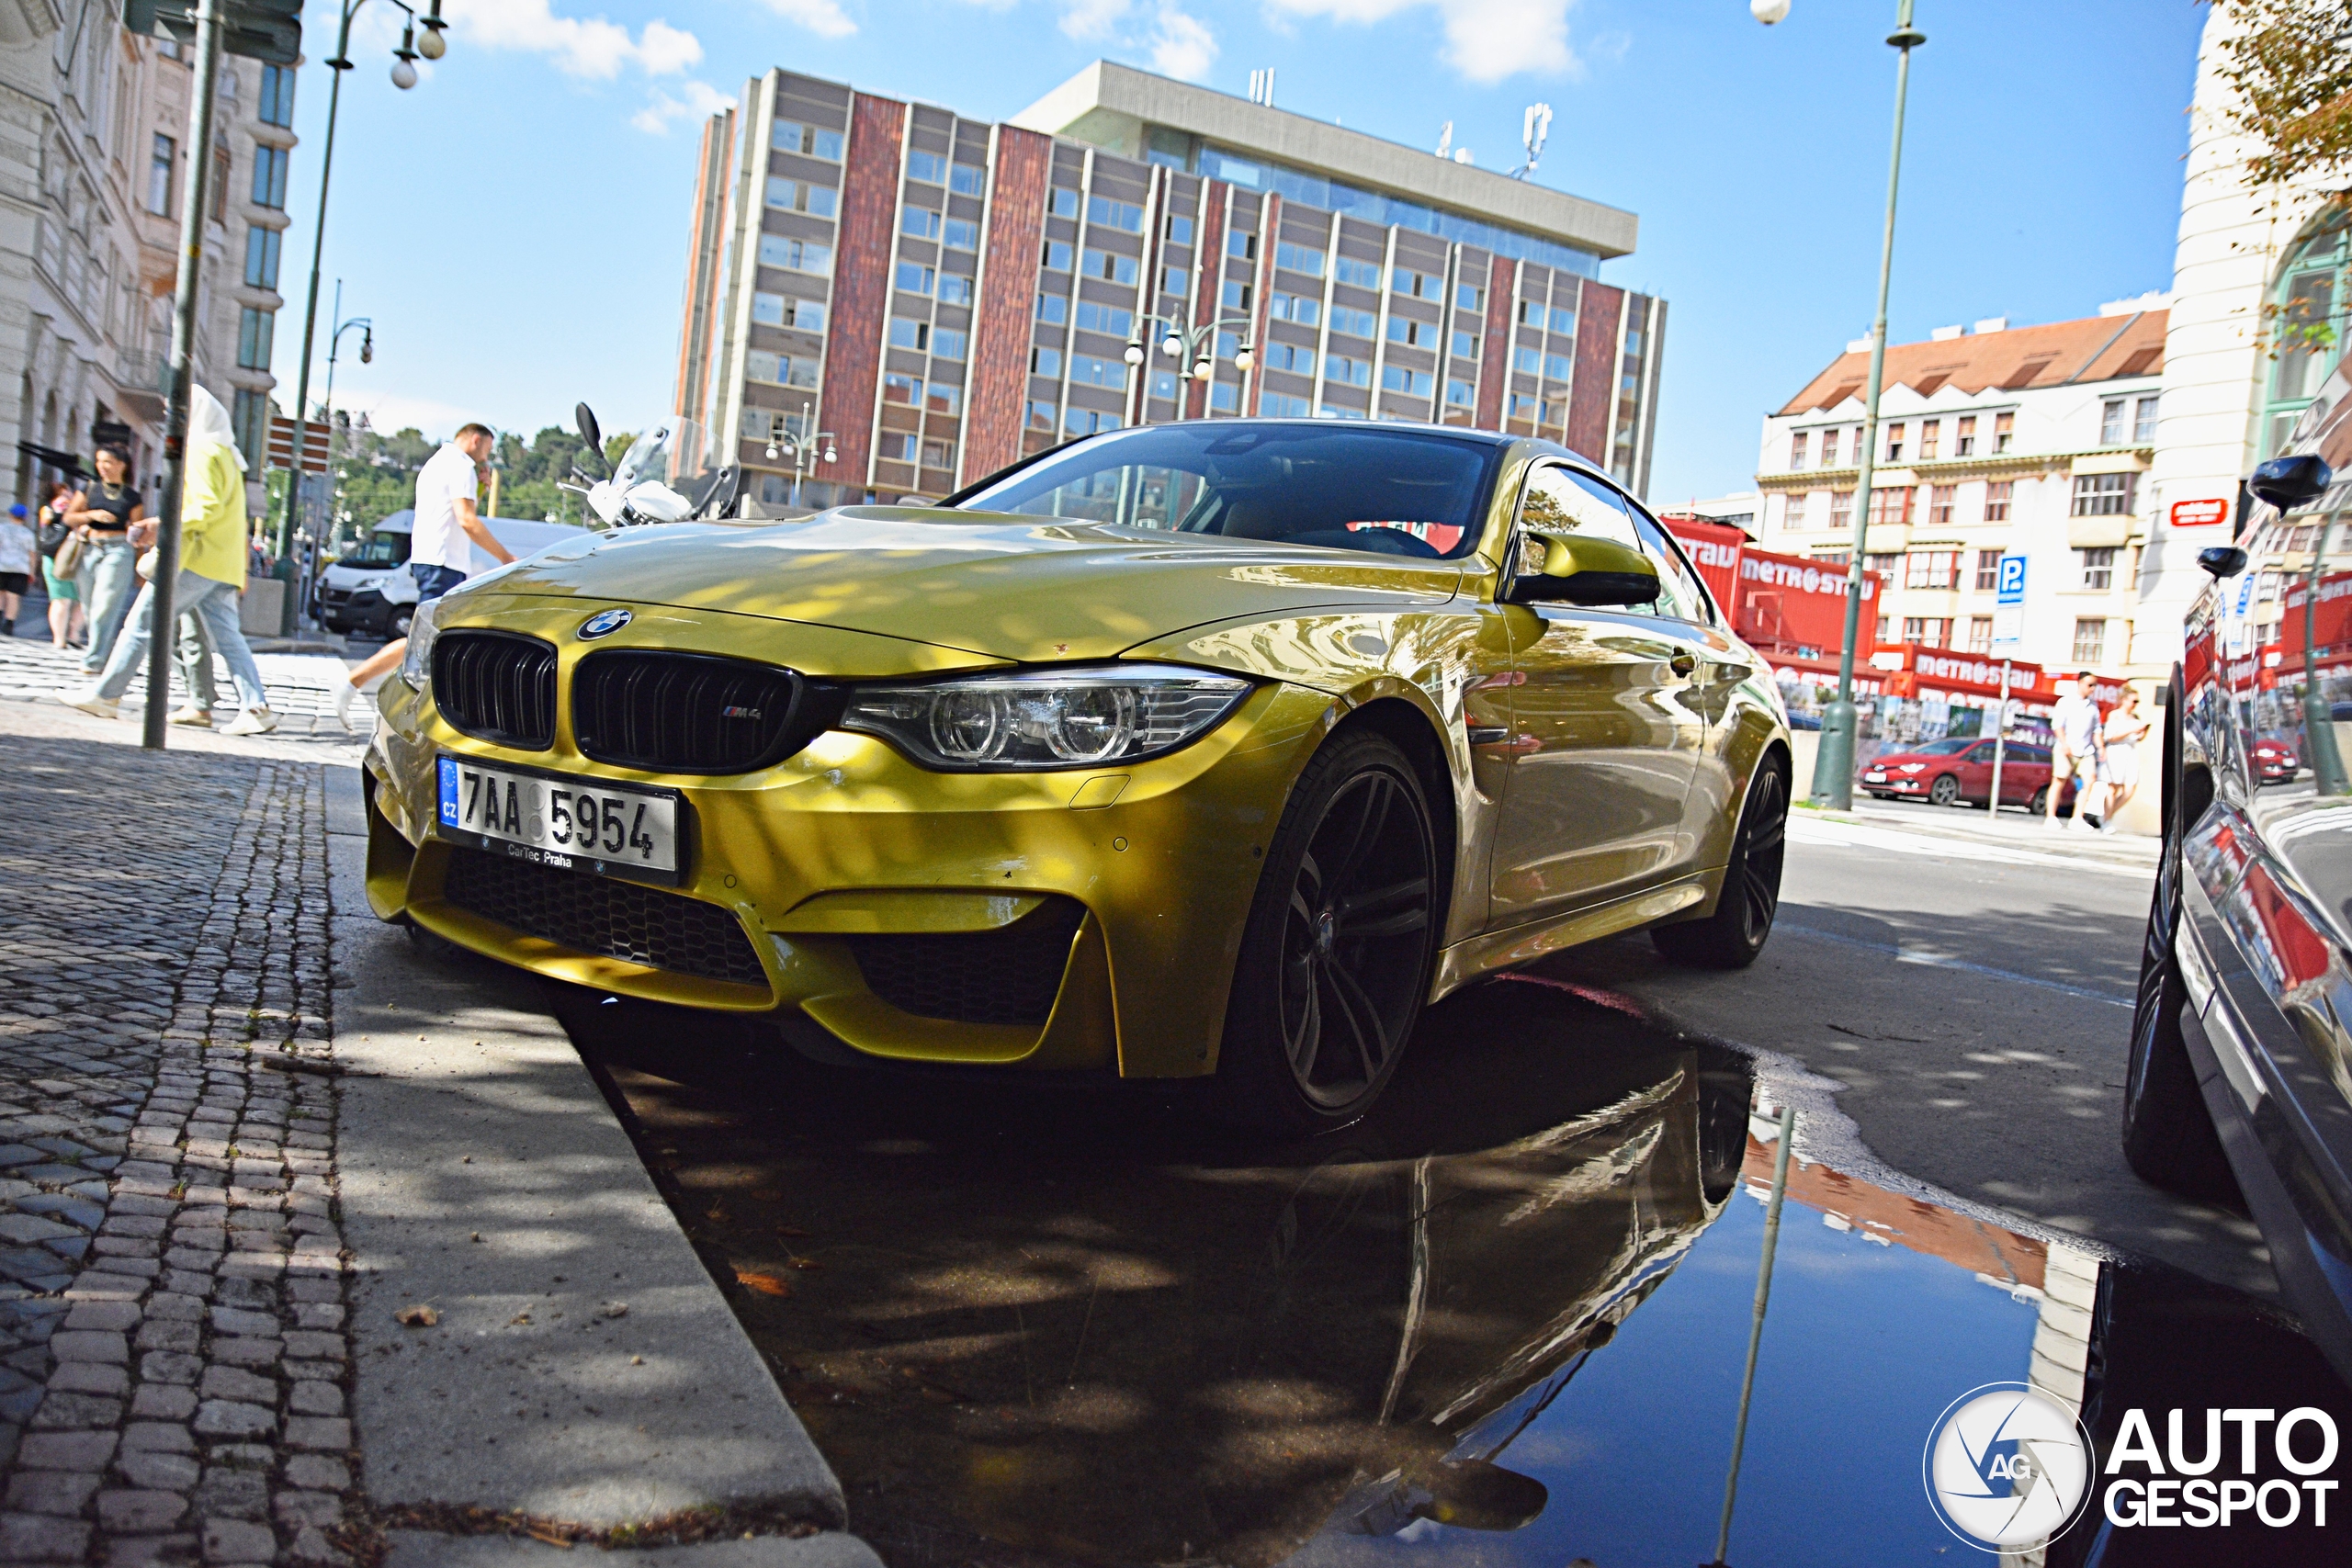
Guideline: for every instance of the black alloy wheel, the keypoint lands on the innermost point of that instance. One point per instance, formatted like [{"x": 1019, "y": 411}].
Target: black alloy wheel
[
  {"x": 2168, "y": 1135},
  {"x": 1945, "y": 791},
  {"x": 1335, "y": 962},
  {"x": 1732, "y": 936}
]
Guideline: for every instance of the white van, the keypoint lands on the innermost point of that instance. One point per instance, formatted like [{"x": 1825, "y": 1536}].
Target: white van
[{"x": 369, "y": 589}]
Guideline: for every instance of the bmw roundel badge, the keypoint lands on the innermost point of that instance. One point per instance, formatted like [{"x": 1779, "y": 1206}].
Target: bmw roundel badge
[{"x": 604, "y": 623}]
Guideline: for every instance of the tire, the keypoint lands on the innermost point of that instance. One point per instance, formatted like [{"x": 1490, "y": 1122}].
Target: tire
[
  {"x": 1945, "y": 791},
  {"x": 1732, "y": 936},
  {"x": 2168, "y": 1135},
  {"x": 2040, "y": 804},
  {"x": 1334, "y": 959}
]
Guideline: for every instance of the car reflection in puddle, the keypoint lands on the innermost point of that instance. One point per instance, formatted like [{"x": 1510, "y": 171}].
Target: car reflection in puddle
[{"x": 1504, "y": 1321}]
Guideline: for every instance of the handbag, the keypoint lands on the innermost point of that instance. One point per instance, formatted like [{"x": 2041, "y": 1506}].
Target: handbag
[
  {"x": 68, "y": 559},
  {"x": 145, "y": 564},
  {"x": 54, "y": 535}
]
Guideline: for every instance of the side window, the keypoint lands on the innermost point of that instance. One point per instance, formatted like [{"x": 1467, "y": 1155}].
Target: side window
[
  {"x": 1683, "y": 598},
  {"x": 1562, "y": 501}
]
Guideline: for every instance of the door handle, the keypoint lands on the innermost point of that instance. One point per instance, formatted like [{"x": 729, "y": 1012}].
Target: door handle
[{"x": 1682, "y": 663}]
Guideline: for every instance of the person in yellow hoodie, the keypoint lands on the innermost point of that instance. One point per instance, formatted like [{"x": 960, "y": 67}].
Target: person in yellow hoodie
[{"x": 213, "y": 573}]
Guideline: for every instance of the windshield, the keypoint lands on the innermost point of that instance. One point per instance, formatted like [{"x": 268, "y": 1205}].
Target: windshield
[
  {"x": 1392, "y": 493},
  {"x": 667, "y": 473},
  {"x": 1943, "y": 747},
  {"x": 377, "y": 549}
]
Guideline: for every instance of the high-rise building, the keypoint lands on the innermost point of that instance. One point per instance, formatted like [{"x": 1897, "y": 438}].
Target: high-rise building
[
  {"x": 89, "y": 258},
  {"x": 886, "y": 298}
]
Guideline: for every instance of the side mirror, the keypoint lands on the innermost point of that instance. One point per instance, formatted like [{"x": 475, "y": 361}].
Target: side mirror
[
  {"x": 585, "y": 418},
  {"x": 1577, "y": 569},
  {"x": 2222, "y": 560},
  {"x": 2289, "y": 482}
]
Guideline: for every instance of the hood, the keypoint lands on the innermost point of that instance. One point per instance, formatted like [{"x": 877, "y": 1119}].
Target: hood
[{"x": 1018, "y": 588}]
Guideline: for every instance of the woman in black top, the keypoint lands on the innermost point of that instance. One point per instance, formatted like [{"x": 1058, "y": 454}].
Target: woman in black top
[{"x": 105, "y": 512}]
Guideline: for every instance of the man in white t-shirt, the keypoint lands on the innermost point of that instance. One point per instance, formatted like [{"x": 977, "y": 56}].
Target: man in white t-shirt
[
  {"x": 448, "y": 524},
  {"x": 2076, "y": 752}
]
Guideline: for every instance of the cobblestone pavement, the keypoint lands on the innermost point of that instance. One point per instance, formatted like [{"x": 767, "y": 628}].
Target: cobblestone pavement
[
  {"x": 301, "y": 690},
  {"x": 174, "y": 1363}
]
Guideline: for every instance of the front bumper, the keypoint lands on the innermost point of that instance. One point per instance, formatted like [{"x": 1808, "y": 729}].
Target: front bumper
[{"x": 824, "y": 859}]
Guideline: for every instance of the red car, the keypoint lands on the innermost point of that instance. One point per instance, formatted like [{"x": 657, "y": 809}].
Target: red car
[
  {"x": 1950, "y": 772},
  {"x": 2276, "y": 760}
]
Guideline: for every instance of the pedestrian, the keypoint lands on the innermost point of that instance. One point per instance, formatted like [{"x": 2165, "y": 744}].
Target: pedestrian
[
  {"x": 447, "y": 528},
  {"x": 19, "y": 547},
  {"x": 65, "y": 621},
  {"x": 213, "y": 573},
  {"x": 2126, "y": 727},
  {"x": 2076, "y": 752},
  {"x": 104, "y": 511}
]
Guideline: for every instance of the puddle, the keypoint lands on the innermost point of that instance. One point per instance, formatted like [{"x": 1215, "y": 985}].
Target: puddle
[{"x": 1503, "y": 1322}]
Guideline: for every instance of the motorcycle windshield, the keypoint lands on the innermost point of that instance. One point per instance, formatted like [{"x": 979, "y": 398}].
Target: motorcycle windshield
[{"x": 679, "y": 456}]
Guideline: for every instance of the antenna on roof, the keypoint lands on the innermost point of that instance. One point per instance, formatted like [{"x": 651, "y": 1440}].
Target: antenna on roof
[
  {"x": 1536, "y": 128},
  {"x": 1445, "y": 140},
  {"x": 1261, "y": 86}
]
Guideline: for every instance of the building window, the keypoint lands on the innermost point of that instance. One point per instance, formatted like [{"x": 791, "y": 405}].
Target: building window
[
  {"x": 1397, "y": 378},
  {"x": 1296, "y": 358},
  {"x": 1841, "y": 509},
  {"x": 1829, "y": 448},
  {"x": 2090, "y": 642},
  {"x": 908, "y": 332},
  {"x": 1348, "y": 372},
  {"x": 1465, "y": 345},
  {"x": 2005, "y": 429},
  {"x": 1092, "y": 370},
  {"x": 1041, "y": 415},
  {"x": 159, "y": 176},
  {"x": 1557, "y": 368},
  {"x": 795, "y": 255},
  {"x": 949, "y": 343},
  {"x": 1282, "y": 405},
  {"x": 1175, "y": 280},
  {"x": 1302, "y": 309},
  {"x": 1355, "y": 324},
  {"x": 1524, "y": 406},
  {"x": 919, "y": 224},
  {"x": 1931, "y": 569},
  {"x": 249, "y": 422},
  {"x": 1939, "y": 503},
  {"x": 929, "y": 167},
  {"x": 2137, "y": 551},
  {"x": 1890, "y": 507},
  {"x": 2110, "y": 422},
  {"x": 960, "y": 235},
  {"x": 1045, "y": 362},
  {"x": 1123, "y": 216},
  {"x": 1988, "y": 571},
  {"x": 1883, "y": 564},
  {"x": 1360, "y": 274},
  {"x": 1087, "y": 421},
  {"x": 954, "y": 288},
  {"x": 1527, "y": 360},
  {"x": 261, "y": 257},
  {"x": 1963, "y": 441},
  {"x": 277, "y": 95},
  {"x": 806, "y": 140},
  {"x": 1792, "y": 515},
  {"x": 1241, "y": 244},
  {"x": 968, "y": 179},
  {"x": 1894, "y": 443},
  {"x": 1996, "y": 499},
  {"x": 1796, "y": 450},
  {"x": 1053, "y": 309},
  {"x": 1224, "y": 397},
  {"x": 1235, "y": 296},
  {"x": 254, "y": 330},
  {"x": 1299, "y": 258},
  {"x": 913, "y": 277},
  {"x": 799, "y": 195},
  {"x": 269, "y": 176},
  {"x": 787, "y": 370},
  {"x": 1412, "y": 334},
  {"x": 1109, "y": 319},
  {"x": 1928, "y": 631},
  {"x": 1111, "y": 267},
  {"x": 1931, "y": 434},
  {"x": 1180, "y": 230},
  {"x": 1980, "y": 634},
  {"x": 1460, "y": 395},
  {"x": 2104, "y": 495},
  {"x": 1469, "y": 297},
  {"x": 2143, "y": 422},
  {"x": 1884, "y": 626},
  {"x": 1062, "y": 202},
  {"x": 2098, "y": 568}
]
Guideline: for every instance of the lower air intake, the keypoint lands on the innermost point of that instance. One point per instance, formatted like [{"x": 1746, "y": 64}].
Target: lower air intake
[
  {"x": 1009, "y": 975},
  {"x": 600, "y": 915}
]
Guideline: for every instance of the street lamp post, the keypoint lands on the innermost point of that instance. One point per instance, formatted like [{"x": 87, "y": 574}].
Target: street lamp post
[
  {"x": 1833, "y": 769},
  {"x": 803, "y": 449},
  {"x": 1193, "y": 347},
  {"x": 327, "y": 507},
  {"x": 432, "y": 47}
]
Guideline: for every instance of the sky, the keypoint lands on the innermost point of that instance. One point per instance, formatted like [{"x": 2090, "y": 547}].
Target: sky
[{"x": 515, "y": 226}]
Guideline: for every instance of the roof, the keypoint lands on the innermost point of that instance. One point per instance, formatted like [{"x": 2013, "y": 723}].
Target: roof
[
  {"x": 1110, "y": 105},
  {"x": 2058, "y": 354}
]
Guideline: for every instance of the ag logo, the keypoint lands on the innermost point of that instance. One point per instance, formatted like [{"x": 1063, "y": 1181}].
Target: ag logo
[
  {"x": 2006, "y": 1467},
  {"x": 604, "y": 623}
]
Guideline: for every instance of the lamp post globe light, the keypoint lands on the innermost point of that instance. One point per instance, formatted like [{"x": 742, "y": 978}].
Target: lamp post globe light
[
  {"x": 1833, "y": 768},
  {"x": 432, "y": 47},
  {"x": 1179, "y": 342}
]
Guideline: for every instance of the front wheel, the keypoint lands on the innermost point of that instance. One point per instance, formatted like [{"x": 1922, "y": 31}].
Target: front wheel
[
  {"x": 1732, "y": 936},
  {"x": 1945, "y": 791},
  {"x": 1334, "y": 959},
  {"x": 2040, "y": 804}
]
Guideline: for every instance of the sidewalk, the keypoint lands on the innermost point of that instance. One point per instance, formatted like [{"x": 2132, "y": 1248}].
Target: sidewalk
[
  {"x": 2012, "y": 829},
  {"x": 214, "y": 1190},
  {"x": 301, "y": 690}
]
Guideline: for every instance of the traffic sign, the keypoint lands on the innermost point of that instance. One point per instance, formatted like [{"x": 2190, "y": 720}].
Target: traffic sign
[{"x": 2008, "y": 605}]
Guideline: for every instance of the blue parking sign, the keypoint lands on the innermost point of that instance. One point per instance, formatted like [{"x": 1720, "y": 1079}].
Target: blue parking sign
[{"x": 2010, "y": 588}]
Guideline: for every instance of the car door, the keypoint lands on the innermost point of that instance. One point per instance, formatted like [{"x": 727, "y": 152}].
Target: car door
[{"x": 1606, "y": 731}]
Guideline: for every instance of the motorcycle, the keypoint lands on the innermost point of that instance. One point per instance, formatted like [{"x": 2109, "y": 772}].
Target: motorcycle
[{"x": 672, "y": 473}]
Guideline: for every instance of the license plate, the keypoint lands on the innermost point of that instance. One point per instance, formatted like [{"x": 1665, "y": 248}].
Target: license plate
[
  {"x": 1874, "y": 778},
  {"x": 612, "y": 830}
]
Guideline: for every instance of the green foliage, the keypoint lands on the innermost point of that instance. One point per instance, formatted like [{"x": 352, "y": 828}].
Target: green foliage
[
  {"x": 2291, "y": 63},
  {"x": 376, "y": 474}
]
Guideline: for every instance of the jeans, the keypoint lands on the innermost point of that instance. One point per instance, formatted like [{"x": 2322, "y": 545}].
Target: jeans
[
  {"x": 432, "y": 582},
  {"x": 107, "y": 576},
  {"x": 195, "y": 654},
  {"x": 213, "y": 600}
]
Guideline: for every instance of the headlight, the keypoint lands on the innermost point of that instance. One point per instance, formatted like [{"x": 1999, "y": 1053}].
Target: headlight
[
  {"x": 1045, "y": 718},
  {"x": 416, "y": 665},
  {"x": 1912, "y": 768}
]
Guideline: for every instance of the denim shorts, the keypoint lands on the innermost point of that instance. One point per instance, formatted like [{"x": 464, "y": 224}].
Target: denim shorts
[{"x": 432, "y": 582}]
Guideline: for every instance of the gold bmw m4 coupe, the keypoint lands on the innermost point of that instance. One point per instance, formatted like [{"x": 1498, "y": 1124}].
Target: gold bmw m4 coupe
[{"x": 1216, "y": 750}]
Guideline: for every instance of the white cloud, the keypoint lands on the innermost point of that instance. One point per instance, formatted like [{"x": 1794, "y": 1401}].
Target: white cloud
[
  {"x": 1484, "y": 39},
  {"x": 596, "y": 48},
  {"x": 1090, "y": 20},
  {"x": 823, "y": 17},
  {"x": 1182, "y": 46},
  {"x": 699, "y": 101}
]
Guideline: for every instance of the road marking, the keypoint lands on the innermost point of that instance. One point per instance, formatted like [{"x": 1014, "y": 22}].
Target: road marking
[
  {"x": 1945, "y": 961},
  {"x": 1807, "y": 830}
]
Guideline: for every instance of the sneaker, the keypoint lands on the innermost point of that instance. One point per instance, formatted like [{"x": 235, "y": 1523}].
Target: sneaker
[
  {"x": 90, "y": 702},
  {"x": 197, "y": 717},
  {"x": 253, "y": 721},
  {"x": 345, "y": 693},
  {"x": 2090, "y": 821}
]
